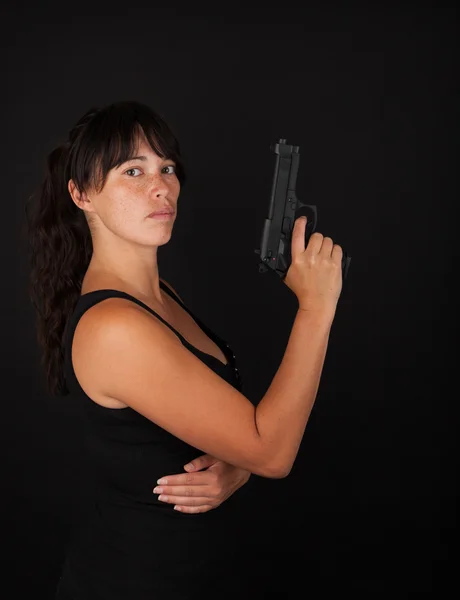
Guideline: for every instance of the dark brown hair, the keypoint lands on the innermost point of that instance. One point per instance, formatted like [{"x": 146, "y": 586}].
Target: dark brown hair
[{"x": 58, "y": 236}]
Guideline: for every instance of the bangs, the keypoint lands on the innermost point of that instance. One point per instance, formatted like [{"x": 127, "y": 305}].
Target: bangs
[{"x": 111, "y": 138}]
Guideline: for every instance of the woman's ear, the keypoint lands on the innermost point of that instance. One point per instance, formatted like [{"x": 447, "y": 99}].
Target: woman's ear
[{"x": 80, "y": 198}]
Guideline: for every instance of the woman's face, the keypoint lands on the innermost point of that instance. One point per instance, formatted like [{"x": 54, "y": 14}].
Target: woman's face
[{"x": 144, "y": 184}]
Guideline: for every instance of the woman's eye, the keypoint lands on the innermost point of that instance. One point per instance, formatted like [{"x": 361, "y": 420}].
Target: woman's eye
[
  {"x": 132, "y": 169},
  {"x": 168, "y": 169}
]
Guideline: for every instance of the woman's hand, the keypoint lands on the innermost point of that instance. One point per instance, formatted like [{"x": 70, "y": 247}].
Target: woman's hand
[{"x": 200, "y": 491}]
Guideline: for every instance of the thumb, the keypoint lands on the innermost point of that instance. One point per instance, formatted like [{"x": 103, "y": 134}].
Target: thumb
[{"x": 200, "y": 463}]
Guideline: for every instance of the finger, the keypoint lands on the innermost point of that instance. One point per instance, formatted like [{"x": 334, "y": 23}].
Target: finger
[
  {"x": 337, "y": 253},
  {"x": 326, "y": 246},
  {"x": 184, "y": 479},
  {"x": 206, "y": 460},
  {"x": 298, "y": 237},
  {"x": 183, "y": 500},
  {"x": 182, "y": 490},
  {"x": 193, "y": 510},
  {"x": 315, "y": 243}
]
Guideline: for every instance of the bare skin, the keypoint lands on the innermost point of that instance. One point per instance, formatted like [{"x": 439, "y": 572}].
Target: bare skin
[
  {"x": 125, "y": 240},
  {"x": 170, "y": 310}
]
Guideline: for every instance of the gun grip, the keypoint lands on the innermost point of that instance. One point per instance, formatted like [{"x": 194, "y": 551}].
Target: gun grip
[{"x": 346, "y": 260}]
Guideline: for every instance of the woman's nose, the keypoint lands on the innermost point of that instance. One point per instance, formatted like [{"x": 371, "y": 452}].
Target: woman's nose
[{"x": 159, "y": 186}]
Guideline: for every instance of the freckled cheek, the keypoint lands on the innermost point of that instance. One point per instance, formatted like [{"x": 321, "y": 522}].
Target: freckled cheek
[{"x": 124, "y": 211}]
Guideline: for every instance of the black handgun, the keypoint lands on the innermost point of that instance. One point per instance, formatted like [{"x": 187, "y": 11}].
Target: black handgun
[{"x": 284, "y": 208}]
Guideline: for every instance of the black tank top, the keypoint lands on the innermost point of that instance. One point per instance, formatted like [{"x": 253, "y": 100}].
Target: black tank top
[{"x": 132, "y": 546}]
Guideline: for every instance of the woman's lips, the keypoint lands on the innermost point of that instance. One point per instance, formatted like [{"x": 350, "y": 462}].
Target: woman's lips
[{"x": 161, "y": 216}]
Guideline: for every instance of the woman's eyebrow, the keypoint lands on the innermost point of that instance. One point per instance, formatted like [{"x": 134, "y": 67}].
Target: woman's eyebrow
[
  {"x": 137, "y": 158},
  {"x": 130, "y": 159}
]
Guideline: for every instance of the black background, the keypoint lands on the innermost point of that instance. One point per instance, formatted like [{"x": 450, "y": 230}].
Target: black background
[{"x": 368, "y": 91}]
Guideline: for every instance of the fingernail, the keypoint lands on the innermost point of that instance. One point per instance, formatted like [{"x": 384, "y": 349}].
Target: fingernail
[
  {"x": 162, "y": 481},
  {"x": 189, "y": 466}
]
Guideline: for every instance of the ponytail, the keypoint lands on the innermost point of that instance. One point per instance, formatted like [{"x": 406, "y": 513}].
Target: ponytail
[{"x": 59, "y": 250}]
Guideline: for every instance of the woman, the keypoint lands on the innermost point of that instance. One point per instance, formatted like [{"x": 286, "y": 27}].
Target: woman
[{"x": 158, "y": 387}]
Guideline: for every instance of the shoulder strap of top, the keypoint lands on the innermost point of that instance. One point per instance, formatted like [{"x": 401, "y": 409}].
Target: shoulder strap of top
[
  {"x": 204, "y": 327},
  {"x": 91, "y": 298},
  {"x": 169, "y": 291}
]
